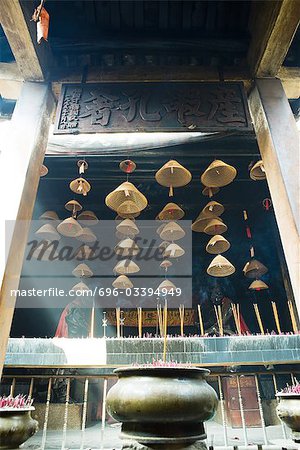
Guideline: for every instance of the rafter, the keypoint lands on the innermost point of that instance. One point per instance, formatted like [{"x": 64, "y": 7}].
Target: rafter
[
  {"x": 32, "y": 59},
  {"x": 272, "y": 25}
]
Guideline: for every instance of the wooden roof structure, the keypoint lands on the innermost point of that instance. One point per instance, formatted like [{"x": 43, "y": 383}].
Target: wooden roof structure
[{"x": 153, "y": 40}]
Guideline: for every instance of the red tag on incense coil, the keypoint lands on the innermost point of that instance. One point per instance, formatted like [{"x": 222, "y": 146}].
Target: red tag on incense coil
[
  {"x": 127, "y": 166},
  {"x": 267, "y": 204},
  {"x": 248, "y": 231}
]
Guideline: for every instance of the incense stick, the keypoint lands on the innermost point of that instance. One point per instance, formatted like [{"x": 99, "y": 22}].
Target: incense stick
[
  {"x": 257, "y": 313},
  {"x": 160, "y": 320},
  {"x": 140, "y": 321},
  {"x": 239, "y": 318},
  {"x": 165, "y": 330},
  {"x": 181, "y": 314},
  {"x": 217, "y": 316},
  {"x": 275, "y": 312},
  {"x": 220, "y": 320},
  {"x": 293, "y": 317},
  {"x": 92, "y": 322},
  {"x": 200, "y": 321},
  {"x": 236, "y": 316},
  {"x": 118, "y": 312}
]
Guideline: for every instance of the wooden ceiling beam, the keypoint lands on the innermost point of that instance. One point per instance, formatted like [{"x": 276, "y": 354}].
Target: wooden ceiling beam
[
  {"x": 290, "y": 79},
  {"x": 149, "y": 73},
  {"x": 32, "y": 59},
  {"x": 289, "y": 76},
  {"x": 272, "y": 25}
]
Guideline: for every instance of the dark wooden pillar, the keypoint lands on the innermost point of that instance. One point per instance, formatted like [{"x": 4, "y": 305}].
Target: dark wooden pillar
[
  {"x": 278, "y": 140},
  {"x": 23, "y": 154}
]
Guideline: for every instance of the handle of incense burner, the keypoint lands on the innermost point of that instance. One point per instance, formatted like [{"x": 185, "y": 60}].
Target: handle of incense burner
[{"x": 200, "y": 321}]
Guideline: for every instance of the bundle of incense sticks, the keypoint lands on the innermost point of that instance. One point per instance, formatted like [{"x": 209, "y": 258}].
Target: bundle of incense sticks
[
  {"x": 200, "y": 321},
  {"x": 293, "y": 317},
  {"x": 236, "y": 316},
  {"x": 275, "y": 312},
  {"x": 165, "y": 325},
  {"x": 181, "y": 314},
  {"x": 257, "y": 313},
  {"x": 160, "y": 320},
  {"x": 218, "y": 312},
  {"x": 140, "y": 321},
  {"x": 118, "y": 315}
]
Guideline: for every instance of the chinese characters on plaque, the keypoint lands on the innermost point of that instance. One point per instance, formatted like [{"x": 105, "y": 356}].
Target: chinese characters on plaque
[{"x": 132, "y": 107}]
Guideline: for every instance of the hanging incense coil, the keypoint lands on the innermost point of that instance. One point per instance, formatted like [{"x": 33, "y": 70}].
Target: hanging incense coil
[
  {"x": 217, "y": 245},
  {"x": 86, "y": 235},
  {"x": 128, "y": 209},
  {"x": 126, "y": 191},
  {"x": 172, "y": 232},
  {"x": 215, "y": 226},
  {"x": 220, "y": 267},
  {"x": 171, "y": 212},
  {"x": 126, "y": 266},
  {"x": 82, "y": 271},
  {"x": 48, "y": 232},
  {"x": 45, "y": 251},
  {"x": 80, "y": 186},
  {"x": 88, "y": 217},
  {"x": 166, "y": 286},
  {"x": 162, "y": 246},
  {"x": 127, "y": 247},
  {"x": 254, "y": 269},
  {"x": 127, "y": 228},
  {"x": 200, "y": 222},
  {"x": 84, "y": 252},
  {"x": 165, "y": 264},
  {"x": 160, "y": 228},
  {"x": 44, "y": 171},
  {"x": 127, "y": 166},
  {"x": 49, "y": 215},
  {"x": 80, "y": 287},
  {"x": 69, "y": 227},
  {"x": 257, "y": 172},
  {"x": 82, "y": 166},
  {"x": 122, "y": 282},
  {"x": 258, "y": 285},
  {"x": 172, "y": 175},
  {"x": 173, "y": 251},
  {"x": 73, "y": 205},
  {"x": 213, "y": 209},
  {"x": 218, "y": 174},
  {"x": 210, "y": 191}
]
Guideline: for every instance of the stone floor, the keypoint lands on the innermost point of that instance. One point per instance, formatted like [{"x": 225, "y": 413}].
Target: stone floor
[{"x": 111, "y": 441}]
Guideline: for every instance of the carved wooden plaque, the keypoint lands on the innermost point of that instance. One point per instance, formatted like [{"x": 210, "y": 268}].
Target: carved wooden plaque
[{"x": 137, "y": 107}]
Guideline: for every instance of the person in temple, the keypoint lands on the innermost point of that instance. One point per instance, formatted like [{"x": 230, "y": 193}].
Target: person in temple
[
  {"x": 74, "y": 320},
  {"x": 216, "y": 297}
]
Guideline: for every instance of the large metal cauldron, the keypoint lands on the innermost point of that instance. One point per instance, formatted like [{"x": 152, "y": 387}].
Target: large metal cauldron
[
  {"x": 162, "y": 405},
  {"x": 16, "y": 426}
]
